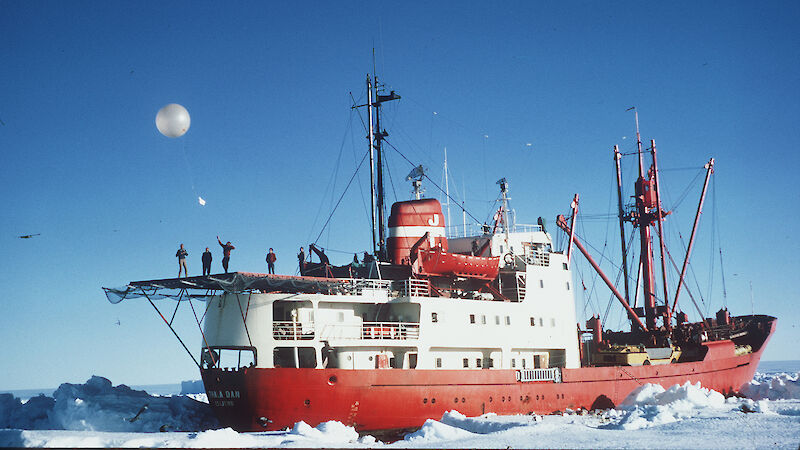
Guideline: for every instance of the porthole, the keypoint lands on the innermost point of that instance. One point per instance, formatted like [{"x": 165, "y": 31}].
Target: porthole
[
  {"x": 504, "y": 398},
  {"x": 433, "y": 400},
  {"x": 425, "y": 400},
  {"x": 490, "y": 399},
  {"x": 537, "y": 396},
  {"x": 307, "y": 402},
  {"x": 370, "y": 358},
  {"x": 463, "y": 400},
  {"x": 332, "y": 380}
]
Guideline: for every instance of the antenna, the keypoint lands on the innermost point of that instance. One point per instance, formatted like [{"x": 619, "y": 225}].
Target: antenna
[
  {"x": 447, "y": 187},
  {"x": 415, "y": 176}
]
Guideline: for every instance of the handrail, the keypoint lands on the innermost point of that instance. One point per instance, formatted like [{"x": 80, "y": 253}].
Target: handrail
[{"x": 371, "y": 330}]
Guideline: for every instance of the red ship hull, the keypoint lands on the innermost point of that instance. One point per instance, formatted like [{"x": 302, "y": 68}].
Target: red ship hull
[{"x": 256, "y": 399}]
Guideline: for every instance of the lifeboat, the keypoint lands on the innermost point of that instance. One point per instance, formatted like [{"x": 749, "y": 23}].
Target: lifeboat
[{"x": 437, "y": 262}]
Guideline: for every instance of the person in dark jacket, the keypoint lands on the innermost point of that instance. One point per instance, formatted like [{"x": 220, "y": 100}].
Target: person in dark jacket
[
  {"x": 207, "y": 262},
  {"x": 271, "y": 258},
  {"x": 301, "y": 259},
  {"x": 181, "y": 254},
  {"x": 226, "y": 253}
]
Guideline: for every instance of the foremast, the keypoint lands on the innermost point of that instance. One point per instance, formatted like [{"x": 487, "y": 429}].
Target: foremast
[{"x": 375, "y": 137}]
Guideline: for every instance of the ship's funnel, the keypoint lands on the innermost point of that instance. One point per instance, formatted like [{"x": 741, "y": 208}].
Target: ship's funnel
[{"x": 408, "y": 222}]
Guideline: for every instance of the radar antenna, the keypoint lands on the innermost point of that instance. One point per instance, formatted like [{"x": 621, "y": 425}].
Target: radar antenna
[{"x": 415, "y": 176}]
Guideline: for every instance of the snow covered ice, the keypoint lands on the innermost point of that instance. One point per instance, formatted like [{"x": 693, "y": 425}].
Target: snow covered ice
[{"x": 98, "y": 414}]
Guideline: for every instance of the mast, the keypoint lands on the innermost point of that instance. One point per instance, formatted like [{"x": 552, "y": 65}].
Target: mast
[
  {"x": 659, "y": 221},
  {"x": 504, "y": 216},
  {"x": 645, "y": 202},
  {"x": 617, "y": 158},
  {"x": 371, "y": 160},
  {"x": 447, "y": 187},
  {"x": 376, "y": 138},
  {"x": 379, "y": 188}
]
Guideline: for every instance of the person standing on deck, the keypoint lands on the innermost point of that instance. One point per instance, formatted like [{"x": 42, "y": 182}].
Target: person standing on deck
[
  {"x": 301, "y": 259},
  {"x": 271, "y": 258},
  {"x": 207, "y": 262},
  {"x": 181, "y": 254},
  {"x": 226, "y": 253}
]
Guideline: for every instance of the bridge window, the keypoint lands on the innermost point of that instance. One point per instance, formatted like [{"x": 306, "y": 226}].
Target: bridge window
[
  {"x": 533, "y": 321},
  {"x": 478, "y": 362},
  {"x": 466, "y": 362},
  {"x": 472, "y": 318},
  {"x": 434, "y": 317},
  {"x": 228, "y": 358},
  {"x": 439, "y": 363},
  {"x": 298, "y": 357}
]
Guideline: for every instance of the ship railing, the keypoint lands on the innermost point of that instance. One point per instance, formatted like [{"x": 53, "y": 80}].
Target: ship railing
[
  {"x": 528, "y": 375},
  {"x": 362, "y": 286},
  {"x": 412, "y": 287},
  {"x": 289, "y": 330},
  {"x": 371, "y": 330},
  {"x": 472, "y": 230}
]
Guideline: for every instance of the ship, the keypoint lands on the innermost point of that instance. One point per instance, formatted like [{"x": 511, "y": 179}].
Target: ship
[{"x": 478, "y": 319}]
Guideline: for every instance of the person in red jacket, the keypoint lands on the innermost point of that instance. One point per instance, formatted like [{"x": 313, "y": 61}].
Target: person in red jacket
[
  {"x": 226, "y": 253},
  {"x": 271, "y": 258}
]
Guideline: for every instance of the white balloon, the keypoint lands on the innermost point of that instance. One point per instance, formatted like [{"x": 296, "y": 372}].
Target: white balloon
[{"x": 173, "y": 120}]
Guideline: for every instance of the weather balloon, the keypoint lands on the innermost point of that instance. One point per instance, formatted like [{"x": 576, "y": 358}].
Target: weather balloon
[{"x": 173, "y": 120}]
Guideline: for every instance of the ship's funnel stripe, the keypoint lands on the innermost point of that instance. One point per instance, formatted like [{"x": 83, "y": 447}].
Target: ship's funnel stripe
[{"x": 415, "y": 231}]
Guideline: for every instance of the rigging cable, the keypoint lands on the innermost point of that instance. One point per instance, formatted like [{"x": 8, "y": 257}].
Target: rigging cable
[
  {"x": 330, "y": 216},
  {"x": 429, "y": 179}
]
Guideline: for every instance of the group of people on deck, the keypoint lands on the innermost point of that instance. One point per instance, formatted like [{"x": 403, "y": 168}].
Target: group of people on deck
[{"x": 181, "y": 254}]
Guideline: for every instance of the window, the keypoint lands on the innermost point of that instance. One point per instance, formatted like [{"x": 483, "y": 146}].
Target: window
[
  {"x": 340, "y": 316},
  {"x": 541, "y": 321},
  {"x": 513, "y": 363},
  {"x": 490, "y": 363},
  {"x": 567, "y": 285},
  {"x": 483, "y": 319},
  {"x": 472, "y": 318},
  {"x": 508, "y": 320},
  {"x": 438, "y": 362},
  {"x": 533, "y": 321},
  {"x": 478, "y": 362},
  {"x": 541, "y": 284},
  {"x": 497, "y": 320},
  {"x": 553, "y": 322},
  {"x": 523, "y": 363},
  {"x": 434, "y": 317},
  {"x": 306, "y": 357},
  {"x": 565, "y": 266},
  {"x": 466, "y": 362}
]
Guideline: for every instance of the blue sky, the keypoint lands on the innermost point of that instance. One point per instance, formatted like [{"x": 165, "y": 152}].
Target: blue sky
[{"x": 273, "y": 141}]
